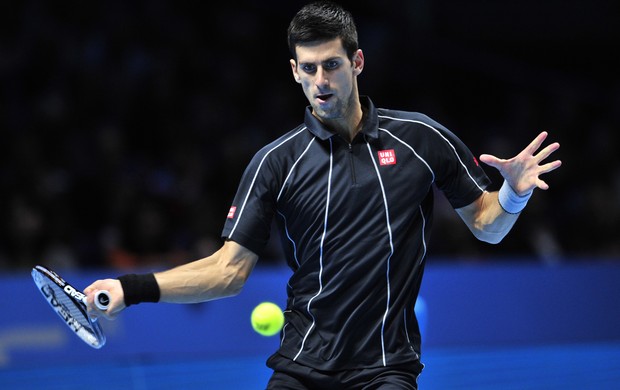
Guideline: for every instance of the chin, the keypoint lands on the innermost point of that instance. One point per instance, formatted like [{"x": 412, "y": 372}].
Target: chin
[{"x": 327, "y": 114}]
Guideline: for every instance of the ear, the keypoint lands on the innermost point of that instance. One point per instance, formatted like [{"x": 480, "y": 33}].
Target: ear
[
  {"x": 358, "y": 62},
  {"x": 295, "y": 72}
]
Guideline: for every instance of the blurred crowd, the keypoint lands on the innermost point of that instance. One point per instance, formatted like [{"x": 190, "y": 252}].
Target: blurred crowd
[{"x": 126, "y": 126}]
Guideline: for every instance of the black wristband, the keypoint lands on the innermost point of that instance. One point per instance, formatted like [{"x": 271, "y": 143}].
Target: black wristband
[{"x": 139, "y": 288}]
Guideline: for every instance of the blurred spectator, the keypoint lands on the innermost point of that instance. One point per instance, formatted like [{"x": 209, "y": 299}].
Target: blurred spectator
[{"x": 127, "y": 125}]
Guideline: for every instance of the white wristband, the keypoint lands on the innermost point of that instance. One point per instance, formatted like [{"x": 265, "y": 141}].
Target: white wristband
[{"x": 510, "y": 201}]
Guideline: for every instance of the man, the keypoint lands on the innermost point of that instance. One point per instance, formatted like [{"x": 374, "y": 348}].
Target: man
[{"x": 351, "y": 192}]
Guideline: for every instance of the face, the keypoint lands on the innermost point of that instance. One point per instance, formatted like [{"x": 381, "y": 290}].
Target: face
[{"x": 328, "y": 78}]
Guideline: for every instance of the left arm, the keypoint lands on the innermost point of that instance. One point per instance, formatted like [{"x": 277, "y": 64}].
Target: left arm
[{"x": 487, "y": 217}]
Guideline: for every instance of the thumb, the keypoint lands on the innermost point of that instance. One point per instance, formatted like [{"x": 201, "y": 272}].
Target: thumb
[{"x": 490, "y": 160}]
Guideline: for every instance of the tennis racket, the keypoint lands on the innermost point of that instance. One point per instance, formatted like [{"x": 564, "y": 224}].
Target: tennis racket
[{"x": 70, "y": 304}]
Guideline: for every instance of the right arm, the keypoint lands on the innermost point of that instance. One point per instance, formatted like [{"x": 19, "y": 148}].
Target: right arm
[{"x": 220, "y": 275}]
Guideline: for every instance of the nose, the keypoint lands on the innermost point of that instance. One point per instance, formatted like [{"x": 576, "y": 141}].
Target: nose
[{"x": 321, "y": 78}]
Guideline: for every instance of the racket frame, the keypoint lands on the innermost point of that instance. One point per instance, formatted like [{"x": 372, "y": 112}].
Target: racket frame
[{"x": 92, "y": 334}]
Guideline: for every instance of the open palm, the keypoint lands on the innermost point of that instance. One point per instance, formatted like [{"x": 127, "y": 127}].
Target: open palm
[{"x": 523, "y": 171}]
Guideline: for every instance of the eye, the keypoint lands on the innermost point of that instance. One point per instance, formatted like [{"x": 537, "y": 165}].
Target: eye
[
  {"x": 308, "y": 68},
  {"x": 331, "y": 65}
]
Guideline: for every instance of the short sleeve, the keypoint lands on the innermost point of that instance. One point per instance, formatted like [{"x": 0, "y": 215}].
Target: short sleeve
[{"x": 250, "y": 215}]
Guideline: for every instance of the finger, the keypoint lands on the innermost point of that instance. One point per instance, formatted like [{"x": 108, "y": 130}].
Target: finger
[
  {"x": 542, "y": 184},
  {"x": 550, "y": 166},
  {"x": 91, "y": 295},
  {"x": 535, "y": 144},
  {"x": 490, "y": 160},
  {"x": 91, "y": 288},
  {"x": 546, "y": 152}
]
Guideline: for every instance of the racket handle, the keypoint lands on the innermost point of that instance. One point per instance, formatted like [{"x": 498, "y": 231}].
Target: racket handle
[{"x": 102, "y": 300}]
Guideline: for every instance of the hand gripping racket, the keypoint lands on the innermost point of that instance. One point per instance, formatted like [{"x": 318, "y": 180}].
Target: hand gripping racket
[{"x": 70, "y": 305}]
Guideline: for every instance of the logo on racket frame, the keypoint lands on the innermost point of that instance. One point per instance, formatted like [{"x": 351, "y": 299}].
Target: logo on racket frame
[{"x": 61, "y": 309}]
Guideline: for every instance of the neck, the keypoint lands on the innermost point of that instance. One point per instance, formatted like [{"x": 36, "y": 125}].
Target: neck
[{"x": 349, "y": 125}]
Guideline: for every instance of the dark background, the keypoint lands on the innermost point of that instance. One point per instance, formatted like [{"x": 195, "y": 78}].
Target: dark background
[{"x": 127, "y": 125}]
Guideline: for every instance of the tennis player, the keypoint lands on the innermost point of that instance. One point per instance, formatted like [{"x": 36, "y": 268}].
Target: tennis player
[{"x": 351, "y": 191}]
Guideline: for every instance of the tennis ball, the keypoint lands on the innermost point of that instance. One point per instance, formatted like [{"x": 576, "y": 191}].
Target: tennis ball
[{"x": 267, "y": 319}]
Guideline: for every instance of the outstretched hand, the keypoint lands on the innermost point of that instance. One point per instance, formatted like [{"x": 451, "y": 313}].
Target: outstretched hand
[{"x": 523, "y": 171}]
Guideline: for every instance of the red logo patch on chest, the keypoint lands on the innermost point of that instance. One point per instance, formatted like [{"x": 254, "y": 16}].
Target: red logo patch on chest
[{"x": 387, "y": 157}]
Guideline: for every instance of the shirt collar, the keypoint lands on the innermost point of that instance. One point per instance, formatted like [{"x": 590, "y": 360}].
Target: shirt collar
[{"x": 370, "y": 127}]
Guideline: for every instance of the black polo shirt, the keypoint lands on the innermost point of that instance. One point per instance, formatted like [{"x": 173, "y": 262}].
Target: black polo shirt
[{"x": 354, "y": 220}]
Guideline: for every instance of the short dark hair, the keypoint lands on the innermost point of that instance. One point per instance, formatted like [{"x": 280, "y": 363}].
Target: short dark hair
[{"x": 323, "y": 21}]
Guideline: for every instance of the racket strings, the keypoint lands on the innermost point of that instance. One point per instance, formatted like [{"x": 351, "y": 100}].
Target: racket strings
[
  {"x": 66, "y": 308},
  {"x": 72, "y": 312}
]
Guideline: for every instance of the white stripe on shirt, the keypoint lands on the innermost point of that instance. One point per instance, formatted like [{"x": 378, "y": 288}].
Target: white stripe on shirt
[{"x": 329, "y": 182}]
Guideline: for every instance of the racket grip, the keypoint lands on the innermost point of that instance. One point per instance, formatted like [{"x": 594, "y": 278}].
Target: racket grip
[{"x": 102, "y": 300}]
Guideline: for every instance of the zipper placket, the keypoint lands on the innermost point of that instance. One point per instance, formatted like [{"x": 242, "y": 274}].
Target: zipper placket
[{"x": 351, "y": 165}]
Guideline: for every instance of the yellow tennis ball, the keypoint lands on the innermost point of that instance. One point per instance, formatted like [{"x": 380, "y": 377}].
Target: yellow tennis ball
[{"x": 267, "y": 319}]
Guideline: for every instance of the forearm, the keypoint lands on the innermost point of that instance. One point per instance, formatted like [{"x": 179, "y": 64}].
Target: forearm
[
  {"x": 486, "y": 219},
  {"x": 220, "y": 275}
]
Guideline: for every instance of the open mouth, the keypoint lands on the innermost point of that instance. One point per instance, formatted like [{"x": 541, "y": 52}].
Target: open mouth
[{"x": 324, "y": 97}]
